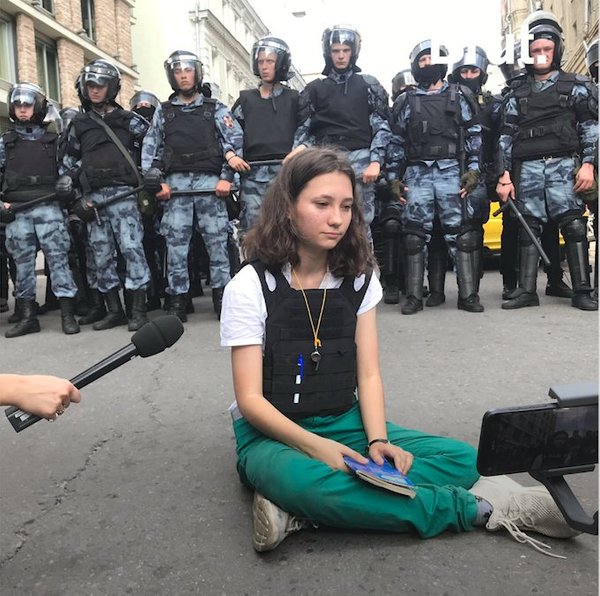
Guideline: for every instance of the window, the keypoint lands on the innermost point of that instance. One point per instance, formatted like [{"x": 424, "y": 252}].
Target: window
[
  {"x": 7, "y": 50},
  {"x": 48, "y": 5},
  {"x": 47, "y": 67},
  {"x": 88, "y": 20}
]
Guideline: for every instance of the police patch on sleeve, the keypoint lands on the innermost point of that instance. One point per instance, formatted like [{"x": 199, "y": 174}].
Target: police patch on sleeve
[{"x": 228, "y": 121}]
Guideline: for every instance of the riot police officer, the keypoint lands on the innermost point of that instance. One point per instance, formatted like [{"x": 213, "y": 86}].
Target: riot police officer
[
  {"x": 145, "y": 103},
  {"x": 471, "y": 71},
  {"x": 269, "y": 117},
  {"x": 348, "y": 110},
  {"x": 28, "y": 158},
  {"x": 192, "y": 140},
  {"x": 550, "y": 121},
  {"x": 433, "y": 129},
  {"x": 98, "y": 159}
]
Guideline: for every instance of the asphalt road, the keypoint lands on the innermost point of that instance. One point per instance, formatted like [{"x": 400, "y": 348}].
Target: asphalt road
[{"x": 135, "y": 491}]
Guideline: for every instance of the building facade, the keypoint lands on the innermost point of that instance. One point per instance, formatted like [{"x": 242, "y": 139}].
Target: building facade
[
  {"x": 220, "y": 32},
  {"x": 578, "y": 18},
  {"x": 47, "y": 42}
]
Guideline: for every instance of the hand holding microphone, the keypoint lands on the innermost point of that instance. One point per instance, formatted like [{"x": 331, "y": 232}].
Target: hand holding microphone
[{"x": 154, "y": 337}]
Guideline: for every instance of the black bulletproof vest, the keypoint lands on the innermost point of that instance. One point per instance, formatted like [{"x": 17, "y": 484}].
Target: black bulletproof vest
[
  {"x": 102, "y": 163},
  {"x": 31, "y": 167},
  {"x": 432, "y": 131},
  {"x": 547, "y": 120},
  {"x": 191, "y": 143},
  {"x": 330, "y": 388},
  {"x": 269, "y": 124},
  {"x": 341, "y": 113}
]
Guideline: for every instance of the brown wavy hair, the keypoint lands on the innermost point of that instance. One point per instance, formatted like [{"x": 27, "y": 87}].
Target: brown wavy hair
[{"x": 274, "y": 238}]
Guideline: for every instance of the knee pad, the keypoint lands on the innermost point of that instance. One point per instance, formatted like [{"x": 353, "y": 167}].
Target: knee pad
[
  {"x": 414, "y": 239},
  {"x": 574, "y": 229},
  {"x": 536, "y": 227},
  {"x": 391, "y": 228},
  {"x": 468, "y": 240}
]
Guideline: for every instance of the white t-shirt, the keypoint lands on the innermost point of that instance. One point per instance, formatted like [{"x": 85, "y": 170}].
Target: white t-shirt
[{"x": 244, "y": 311}]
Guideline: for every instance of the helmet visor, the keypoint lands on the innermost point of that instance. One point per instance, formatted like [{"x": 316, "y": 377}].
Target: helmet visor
[
  {"x": 343, "y": 36},
  {"x": 182, "y": 65},
  {"x": 23, "y": 97}
]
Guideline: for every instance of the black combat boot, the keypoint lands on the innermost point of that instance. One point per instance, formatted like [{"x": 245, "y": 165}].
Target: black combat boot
[
  {"x": 177, "y": 304},
  {"x": 525, "y": 294},
  {"x": 115, "y": 315},
  {"x": 67, "y": 315},
  {"x": 436, "y": 274},
  {"x": 29, "y": 322},
  {"x": 577, "y": 257},
  {"x": 138, "y": 310},
  {"x": 96, "y": 310},
  {"x": 217, "y": 300},
  {"x": 557, "y": 286},
  {"x": 415, "y": 269}
]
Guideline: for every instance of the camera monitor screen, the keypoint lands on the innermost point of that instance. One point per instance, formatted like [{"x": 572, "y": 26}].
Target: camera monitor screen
[{"x": 542, "y": 437}]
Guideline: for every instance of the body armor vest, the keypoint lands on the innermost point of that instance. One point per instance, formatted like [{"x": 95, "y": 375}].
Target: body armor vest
[
  {"x": 269, "y": 124},
  {"x": 191, "y": 143},
  {"x": 547, "y": 120},
  {"x": 102, "y": 162},
  {"x": 341, "y": 114},
  {"x": 432, "y": 131},
  {"x": 31, "y": 168},
  {"x": 330, "y": 387}
]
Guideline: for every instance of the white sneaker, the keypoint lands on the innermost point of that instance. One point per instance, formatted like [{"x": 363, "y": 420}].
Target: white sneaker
[
  {"x": 271, "y": 524},
  {"x": 518, "y": 508}
]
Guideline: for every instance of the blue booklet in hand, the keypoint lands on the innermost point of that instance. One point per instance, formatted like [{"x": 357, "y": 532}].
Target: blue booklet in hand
[{"x": 385, "y": 476}]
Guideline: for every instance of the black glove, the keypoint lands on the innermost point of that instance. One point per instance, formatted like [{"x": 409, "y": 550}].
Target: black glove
[
  {"x": 83, "y": 211},
  {"x": 397, "y": 189},
  {"x": 64, "y": 190},
  {"x": 152, "y": 180},
  {"x": 469, "y": 180},
  {"x": 7, "y": 215}
]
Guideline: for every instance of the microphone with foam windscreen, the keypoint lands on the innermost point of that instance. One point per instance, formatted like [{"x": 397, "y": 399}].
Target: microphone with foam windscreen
[{"x": 154, "y": 337}]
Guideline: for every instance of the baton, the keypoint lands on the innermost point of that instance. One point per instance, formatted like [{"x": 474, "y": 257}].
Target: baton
[
  {"x": 117, "y": 197},
  {"x": 265, "y": 162},
  {"x": 511, "y": 204},
  {"x": 121, "y": 195},
  {"x": 15, "y": 208},
  {"x": 183, "y": 193}
]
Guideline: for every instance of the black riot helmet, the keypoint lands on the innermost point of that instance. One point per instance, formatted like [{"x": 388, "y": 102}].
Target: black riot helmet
[
  {"x": 512, "y": 68},
  {"x": 27, "y": 94},
  {"x": 101, "y": 73},
  {"x": 473, "y": 56},
  {"x": 345, "y": 34},
  {"x": 183, "y": 59},
  {"x": 144, "y": 103},
  {"x": 429, "y": 74},
  {"x": 544, "y": 25},
  {"x": 401, "y": 82},
  {"x": 283, "y": 57},
  {"x": 591, "y": 60},
  {"x": 143, "y": 96}
]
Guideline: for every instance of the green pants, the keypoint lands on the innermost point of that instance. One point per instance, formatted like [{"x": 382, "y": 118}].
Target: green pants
[{"x": 443, "y": 470}]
